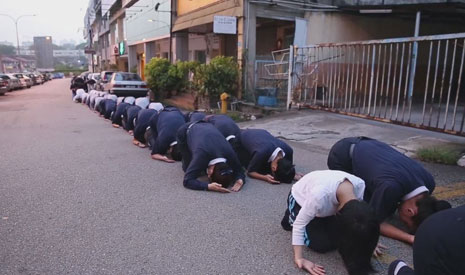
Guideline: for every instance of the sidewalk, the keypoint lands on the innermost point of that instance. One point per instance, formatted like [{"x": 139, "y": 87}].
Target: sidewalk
[{"x": 321, "y": 130}]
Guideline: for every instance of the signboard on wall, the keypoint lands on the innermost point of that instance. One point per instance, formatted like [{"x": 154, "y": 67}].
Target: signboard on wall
[
  {"x": 225, "y": 24},
  {"x": 122, "y": 48}
]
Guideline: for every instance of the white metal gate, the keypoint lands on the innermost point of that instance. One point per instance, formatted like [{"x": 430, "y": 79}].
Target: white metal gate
[{"x": 414, "y": 81}]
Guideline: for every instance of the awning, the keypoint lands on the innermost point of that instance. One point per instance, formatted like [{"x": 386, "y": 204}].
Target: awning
[{"x": 204, "y": 17}]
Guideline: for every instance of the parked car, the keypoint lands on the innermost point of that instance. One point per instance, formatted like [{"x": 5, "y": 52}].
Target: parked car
[
  {"x": 58, "y": 75},
  {"x": 47, "y": 76},
  {"x": 126, "y": 84},
  {"x": 93, "y": 81},
  {"x": 105, "y": 77},
  {"x": 13, "y": 82},
  {"x": 36, "y": 78},
  {"x": 26, "y": 82},
  {"x": 3, "y": 86}
]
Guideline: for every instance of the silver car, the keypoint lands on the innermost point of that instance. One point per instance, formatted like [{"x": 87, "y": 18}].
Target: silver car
[
  {"x": 13, "y": 82},
  {"x": 93, "y": 81},
  {"x": 3, "y": 86},
  {"x": 26, "y": 82},
  {"x": 126, "y": 84}
]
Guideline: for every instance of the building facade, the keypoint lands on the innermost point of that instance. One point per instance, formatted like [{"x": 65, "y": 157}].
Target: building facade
[
  {"x": 148, "y": 28},
  {"x": 131, "y": 32},
  {"x": 43, "y": 48}
]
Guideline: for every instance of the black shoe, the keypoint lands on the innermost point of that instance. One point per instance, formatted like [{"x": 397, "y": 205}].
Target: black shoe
[
  {"x": 393, "y": 266},
  {"x": 285, "y": 223}
]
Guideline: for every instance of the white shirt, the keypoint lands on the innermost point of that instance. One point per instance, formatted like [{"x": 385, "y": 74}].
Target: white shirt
[
  {"x": 142, "y": 102},
  {"x": 156, "y": 106},
  {"x": 316, "y": 194},
  {"x": 275, "y": 154}
]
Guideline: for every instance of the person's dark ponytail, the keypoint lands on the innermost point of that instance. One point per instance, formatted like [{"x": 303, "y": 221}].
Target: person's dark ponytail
[{"x": 427, "y": 206}]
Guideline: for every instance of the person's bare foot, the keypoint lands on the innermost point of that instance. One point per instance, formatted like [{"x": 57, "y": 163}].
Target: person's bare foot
[
  {"x": 131, "y": 133},
  {"x": 136, "y": 142},
  {"x": 141, "y": 145},
  {"x": 115, "y": 125}
]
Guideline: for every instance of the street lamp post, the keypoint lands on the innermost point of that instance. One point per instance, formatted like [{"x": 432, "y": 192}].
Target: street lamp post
[{"x": 16, "y": 25}]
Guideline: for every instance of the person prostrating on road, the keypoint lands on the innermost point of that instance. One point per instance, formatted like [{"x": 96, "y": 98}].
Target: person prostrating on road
[
  {"x": 393, "y": 181},
  {"x": 326, "y": 211},
  {"x": 204, "y": 149},
  {"x": 227, "y": 127},
  {"x": 438, "y": 246},
  {"x": 266, "y": 157},
  {"x": 141, "y": 124},
  {"x": 162, "y": 134},
  {"x": 121, "y": 109}
]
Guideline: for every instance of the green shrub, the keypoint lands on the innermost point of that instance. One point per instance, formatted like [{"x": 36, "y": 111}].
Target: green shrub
[
  {"x": 158, "y": 77},
  {"x": 219, "y": 76},
  {"x": 164, "y": 77},
  {"x": 438, "y": 155},
  {"x": 179, "y": 74}
]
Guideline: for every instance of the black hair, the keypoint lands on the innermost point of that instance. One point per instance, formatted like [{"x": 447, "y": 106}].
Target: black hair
[
  {"x": 427, "y": 206},
  {"x": 234, "y": 143},
  {"x": 176, "y": 153},
  {"x": 285, "y": 171},
  {"x": 358, "y": 231},
  {"x": 222, "y": 174}
]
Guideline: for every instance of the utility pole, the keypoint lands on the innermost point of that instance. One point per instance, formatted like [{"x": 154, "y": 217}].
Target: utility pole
[{"x": 15, "y": 21}]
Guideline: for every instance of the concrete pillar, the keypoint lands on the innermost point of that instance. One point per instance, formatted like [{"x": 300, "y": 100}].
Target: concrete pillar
[
  {"x": 150, "y": 51},
  {"x": 250, "y": 44},
  {"x": 132, "y": 58},
  {"x": 180, "y": 46},
  {"x": 240, "y": 53}
]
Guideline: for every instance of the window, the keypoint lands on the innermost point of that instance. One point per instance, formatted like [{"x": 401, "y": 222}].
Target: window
[
  {"x": 201, "y": 56},
  {"x": 127, "y": 77}
]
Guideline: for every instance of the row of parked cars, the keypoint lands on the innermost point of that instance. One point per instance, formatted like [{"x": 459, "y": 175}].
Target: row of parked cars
[
  {"x": 118, "y": 83},
  {"x": 15, "y": 81}
]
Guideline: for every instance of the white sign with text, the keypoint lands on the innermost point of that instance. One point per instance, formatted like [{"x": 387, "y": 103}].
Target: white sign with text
[{"x": 225, "y": 24}]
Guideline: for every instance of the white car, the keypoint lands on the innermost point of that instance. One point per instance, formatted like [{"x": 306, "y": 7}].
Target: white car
[{"x": 126, "y": 84}]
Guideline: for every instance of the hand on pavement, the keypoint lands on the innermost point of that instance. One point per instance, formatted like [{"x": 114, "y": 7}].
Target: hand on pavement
[
  {"x": 237, "y": 185},
  {"x": 310, "y": 267},
  {"x": 379, "y": 250},
  {"x": 270, "y": 179},
  {"x": 217, "y": 188}
]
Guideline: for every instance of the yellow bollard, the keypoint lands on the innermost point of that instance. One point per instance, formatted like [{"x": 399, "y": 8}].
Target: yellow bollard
[{"x": 224, "y": 102}]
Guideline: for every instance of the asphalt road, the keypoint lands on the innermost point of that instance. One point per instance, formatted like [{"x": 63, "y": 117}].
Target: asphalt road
[{"x": 76, "y": 197}]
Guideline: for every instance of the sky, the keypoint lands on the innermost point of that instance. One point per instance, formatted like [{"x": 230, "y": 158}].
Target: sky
[{"x": 61, "y": 19}]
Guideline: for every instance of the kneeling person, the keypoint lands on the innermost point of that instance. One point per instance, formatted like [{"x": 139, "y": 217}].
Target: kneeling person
[
  {"x": 266, "y": 157},
  {"x": 438, "y": 246},
  {"x": 325, "y": 212},
  {"x": 141, "y": 124},
  {"x": 227, "y": 127},
  {"x": 163, "y": 129},
  {"x": 393, "y": 181},
  {"x": 121, "y": 108},
  {"x": 204, "y": 148}
]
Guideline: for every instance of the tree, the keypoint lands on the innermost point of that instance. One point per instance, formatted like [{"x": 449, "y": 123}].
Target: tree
[
  {"x": 7, "y": 50},
  {"x": 81, "y": 46}
]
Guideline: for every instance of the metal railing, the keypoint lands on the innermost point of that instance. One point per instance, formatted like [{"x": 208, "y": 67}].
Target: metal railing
[{"x": 413, "y": 81}]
